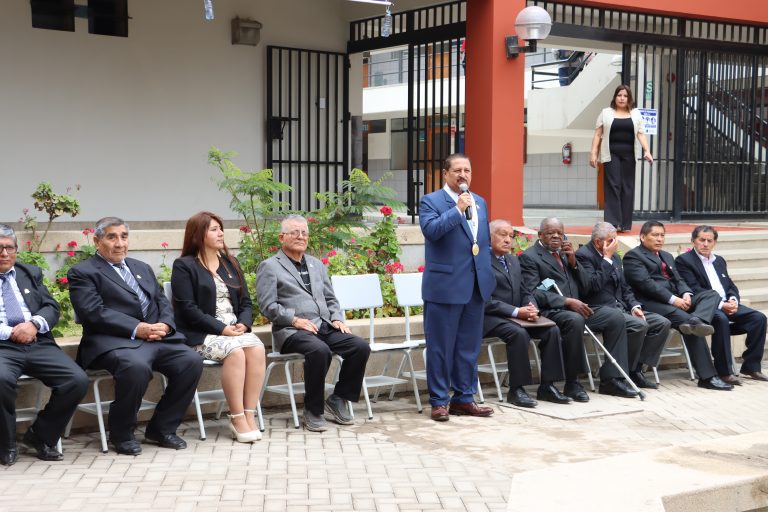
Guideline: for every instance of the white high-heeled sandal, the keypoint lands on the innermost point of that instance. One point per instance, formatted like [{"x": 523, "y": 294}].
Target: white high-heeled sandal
[
  {"x": 253, "y": 413},
  {"x": 242, "y": 437}
]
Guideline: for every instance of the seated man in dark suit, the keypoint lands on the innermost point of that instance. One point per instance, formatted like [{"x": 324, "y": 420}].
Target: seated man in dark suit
[
  {"x": 646, "y": 332},
  {"x": 295, "y": 294},
  {"x": 509, "y": 301},
  {"x": 27, "y": 314},
  {"x": 702, "y": 270},
  {"x": 652, "y": 275},
  {"x": 552, "y": 257},
  {"x": 128, "y": 330}
]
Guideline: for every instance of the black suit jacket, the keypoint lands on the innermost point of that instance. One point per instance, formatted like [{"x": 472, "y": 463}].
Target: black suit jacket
[
  {"x": 109, "y": 309},
  {"x": 606, "y": 285},
  {"x": 537, "y": 264},
  {"x": 38, "y": 299},
  {"x": 194, "y": 298},
  {"x": 692, "y": 271},
  {"x": 507, "y": 296},
  {"x": 642, "y": 269}
]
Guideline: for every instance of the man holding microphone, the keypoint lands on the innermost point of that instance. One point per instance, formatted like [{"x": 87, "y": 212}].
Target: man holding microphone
[{"x": 457, "y": 281}]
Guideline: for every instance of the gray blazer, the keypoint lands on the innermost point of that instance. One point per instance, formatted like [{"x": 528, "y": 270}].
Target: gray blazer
[{"x": 283, "y": 296}]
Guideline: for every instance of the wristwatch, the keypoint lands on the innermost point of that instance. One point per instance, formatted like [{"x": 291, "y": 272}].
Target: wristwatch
[{"x": 36, "y": 323}]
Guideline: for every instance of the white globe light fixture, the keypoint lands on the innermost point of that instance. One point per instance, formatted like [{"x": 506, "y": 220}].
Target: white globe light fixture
[{"x": 532, "y": 24}]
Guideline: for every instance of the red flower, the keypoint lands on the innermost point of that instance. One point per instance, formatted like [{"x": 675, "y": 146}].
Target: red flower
[
  {"x": 245, "y": 229},
  {"x": 331, "y": 228},
  {"x": 518, "y": 253},
  {"x": 386, "y": 211},
  {"x": 311, "y": 219},
  {"x": 421, "y": 268},
  {"x": 86, "y": 232},
  {"x": 332, "y": 252},
  {"x": 72, "y": 244},
  {"x": 70, "y": 253},
  {"x": 29, "y": 244},
  {"x": 63, "y": 280},
  {"x": 529, "y": 237},
  {"x": 369, "y": 252},
  {"x": 393, "y": 268},
  {"x": 164, "y": 245},
  {"x": 272, "y": 249},
  {"x": 352, "y": 240},
  {"x": 325, "y": 261}
]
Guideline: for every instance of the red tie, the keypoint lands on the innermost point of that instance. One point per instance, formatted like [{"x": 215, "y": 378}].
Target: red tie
[
  {"x": 664, "y": 271},
  {"x": 559, "y": 261}
]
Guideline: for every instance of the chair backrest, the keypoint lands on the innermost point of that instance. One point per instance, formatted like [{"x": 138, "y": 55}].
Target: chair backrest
[
  {"x": 408, "y": 292},
  {"x": 361, "y": 291},
  {"x": 168, "y": 291}
]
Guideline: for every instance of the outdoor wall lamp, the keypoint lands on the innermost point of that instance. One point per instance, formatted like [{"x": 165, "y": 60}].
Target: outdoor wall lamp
[{"x": 532, "y": 24}]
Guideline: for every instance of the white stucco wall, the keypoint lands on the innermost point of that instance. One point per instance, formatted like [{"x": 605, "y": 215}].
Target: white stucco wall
[{"x": 131, "y": 119}]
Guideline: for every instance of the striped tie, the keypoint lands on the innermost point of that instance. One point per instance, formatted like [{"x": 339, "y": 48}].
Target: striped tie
[
  {"x": 130, "y": 281},
  {"x": 13, "y": 313}
]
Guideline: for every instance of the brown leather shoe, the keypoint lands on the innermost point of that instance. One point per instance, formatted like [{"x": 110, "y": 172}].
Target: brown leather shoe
[
  {"x": 731, "y": 379},
  {"x": 757, "y": 375},
  {"x": 439, "y": 413},
  {"x": 470, "y": 409}
]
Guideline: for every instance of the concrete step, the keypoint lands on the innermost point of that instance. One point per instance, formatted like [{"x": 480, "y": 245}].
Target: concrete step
[{"x": 749, "y": 277}]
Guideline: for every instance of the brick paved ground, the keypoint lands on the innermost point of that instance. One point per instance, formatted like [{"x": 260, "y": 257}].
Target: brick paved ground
[{"x": 398, "y": 461}]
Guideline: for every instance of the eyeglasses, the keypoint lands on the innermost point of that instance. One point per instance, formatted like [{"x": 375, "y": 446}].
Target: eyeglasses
[
  {"x": 296, "y": 233},
  {"x": 10, "y": 249}
]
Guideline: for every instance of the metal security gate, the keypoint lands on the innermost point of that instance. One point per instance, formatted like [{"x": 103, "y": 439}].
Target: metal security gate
[
  {"x": 307, "y": 121},
  {"x": 435, "y": 119}
]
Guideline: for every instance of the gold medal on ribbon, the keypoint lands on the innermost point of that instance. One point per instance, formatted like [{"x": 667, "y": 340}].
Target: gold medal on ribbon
[{"x": 475, "y": 249}]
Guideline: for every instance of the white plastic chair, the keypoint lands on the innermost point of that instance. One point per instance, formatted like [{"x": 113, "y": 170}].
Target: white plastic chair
[
  {"x": 678, "y": 351},
  {"x": 30, "y": 413},
  {"x": 364, "y": 292}
]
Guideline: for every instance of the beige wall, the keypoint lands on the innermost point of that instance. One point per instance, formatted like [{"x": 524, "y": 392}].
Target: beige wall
[{"x": 130, "y": 119}]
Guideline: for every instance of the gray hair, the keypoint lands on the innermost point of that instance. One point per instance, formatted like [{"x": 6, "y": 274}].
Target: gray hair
[
  {"x": 293, "y": 217},
  {"x": 549, "y": 220},
  {"x": 602, "y": 230},
  {"x": 7, "y": 231},
  {"x": 108, "y": 222},
  {"x": 498, "y": 224}
]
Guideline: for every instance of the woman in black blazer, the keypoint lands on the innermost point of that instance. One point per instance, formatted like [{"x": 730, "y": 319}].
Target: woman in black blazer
[{"x": 213, "y": 309}]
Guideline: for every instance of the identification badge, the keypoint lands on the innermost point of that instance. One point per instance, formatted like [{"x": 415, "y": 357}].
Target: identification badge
[{"x": 475, "y": 249}]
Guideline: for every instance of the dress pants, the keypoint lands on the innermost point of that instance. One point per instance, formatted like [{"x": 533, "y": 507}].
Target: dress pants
[
  {"x": 703, "y": 305},
  {"x": 646, "y": 339},
  {"x": 517, "y": 339},
  {"x": 45, "y": 361},
  {"x": 619, "y": 187},
  {"x": 606, "y": 320},
  {"x": 132, "y": 370},
  {"x": 318, "y": 350},
  {"x": 454, "y": 333},
  {"x": 745, "y": 321}
]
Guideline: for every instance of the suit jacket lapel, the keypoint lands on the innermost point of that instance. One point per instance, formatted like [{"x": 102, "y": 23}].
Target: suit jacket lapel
[
  {"x": 288, "y": 265},
  {"x": 464, "y": 224},
  {"x": 141, "y": 278},
  {"x": 108, "y": 270},
  {"x": 28, "y": 290},
  {"x": 500, "y": 268},
  {"x": 547, "y": 257}
]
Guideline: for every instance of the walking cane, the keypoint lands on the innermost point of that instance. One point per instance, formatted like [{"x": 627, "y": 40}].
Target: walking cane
[{"x": 549, "y": 283}]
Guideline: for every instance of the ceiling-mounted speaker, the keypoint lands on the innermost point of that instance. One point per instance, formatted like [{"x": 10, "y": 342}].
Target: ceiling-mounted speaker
[{"x": 246, "y": 31}]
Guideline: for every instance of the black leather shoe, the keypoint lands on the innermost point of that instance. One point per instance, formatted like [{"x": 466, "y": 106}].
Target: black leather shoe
[
  {"x": 696, "y": 327},
  {"x": 8, "y": 457},
  {"x": 715, "y": 383},
  {"x": 520, "y": 398},
  {"x": 731, "y": 379},
  {"x": 166, "y": 440},
  {"x": 129, "y": 447},
  {"x": 576, "y": 391},
  {"x": 44, "y": 452},
  {"x": 550, "y": 393},
  {"x": 640, "y": 381},
  {"x": 616, "y": 387}
]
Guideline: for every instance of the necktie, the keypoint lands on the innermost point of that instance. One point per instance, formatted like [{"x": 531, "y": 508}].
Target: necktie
[
  {"x": 13, "y": 313},
  {"x": 503, "y": 262},
  {"x": 664, "y": 271},
  {"x": 131, "y": 282},
  {"x": 559, "y": 261}
]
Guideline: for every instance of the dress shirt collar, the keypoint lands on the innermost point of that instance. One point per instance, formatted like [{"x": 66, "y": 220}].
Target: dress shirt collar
[
  {"x": 711, "y": 259},
  {"x": 11, "y": 273},
  {"x": 451, "y": 193}
]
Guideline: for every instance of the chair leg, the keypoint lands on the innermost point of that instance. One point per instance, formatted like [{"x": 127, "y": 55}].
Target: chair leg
[
  {"x": 413, "y": 380},
  {"x": 100, "y": 414},
  {"x": 480, "y": 391},
  {"x": 291, "y": 394},
  {"x": 260, "y": 416},
  {"x": 367, "y": 400},
  {"x": 589, "y": 371},
  {"x": 220, "y": 408},
  {"x": 199, "y": 413},
  {"x": 656, "y": 375},
  {"x": 398, "y": 375},
  {"x": 492, "y": 360},
  {"x": 688, "y": 359}
]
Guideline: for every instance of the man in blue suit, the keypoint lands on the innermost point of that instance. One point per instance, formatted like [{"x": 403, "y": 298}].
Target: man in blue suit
[{"x": 457, "y": 281}]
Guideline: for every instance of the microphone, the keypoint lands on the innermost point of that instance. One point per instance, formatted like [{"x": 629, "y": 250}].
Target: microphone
[{"x": 468, "y": 212}]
